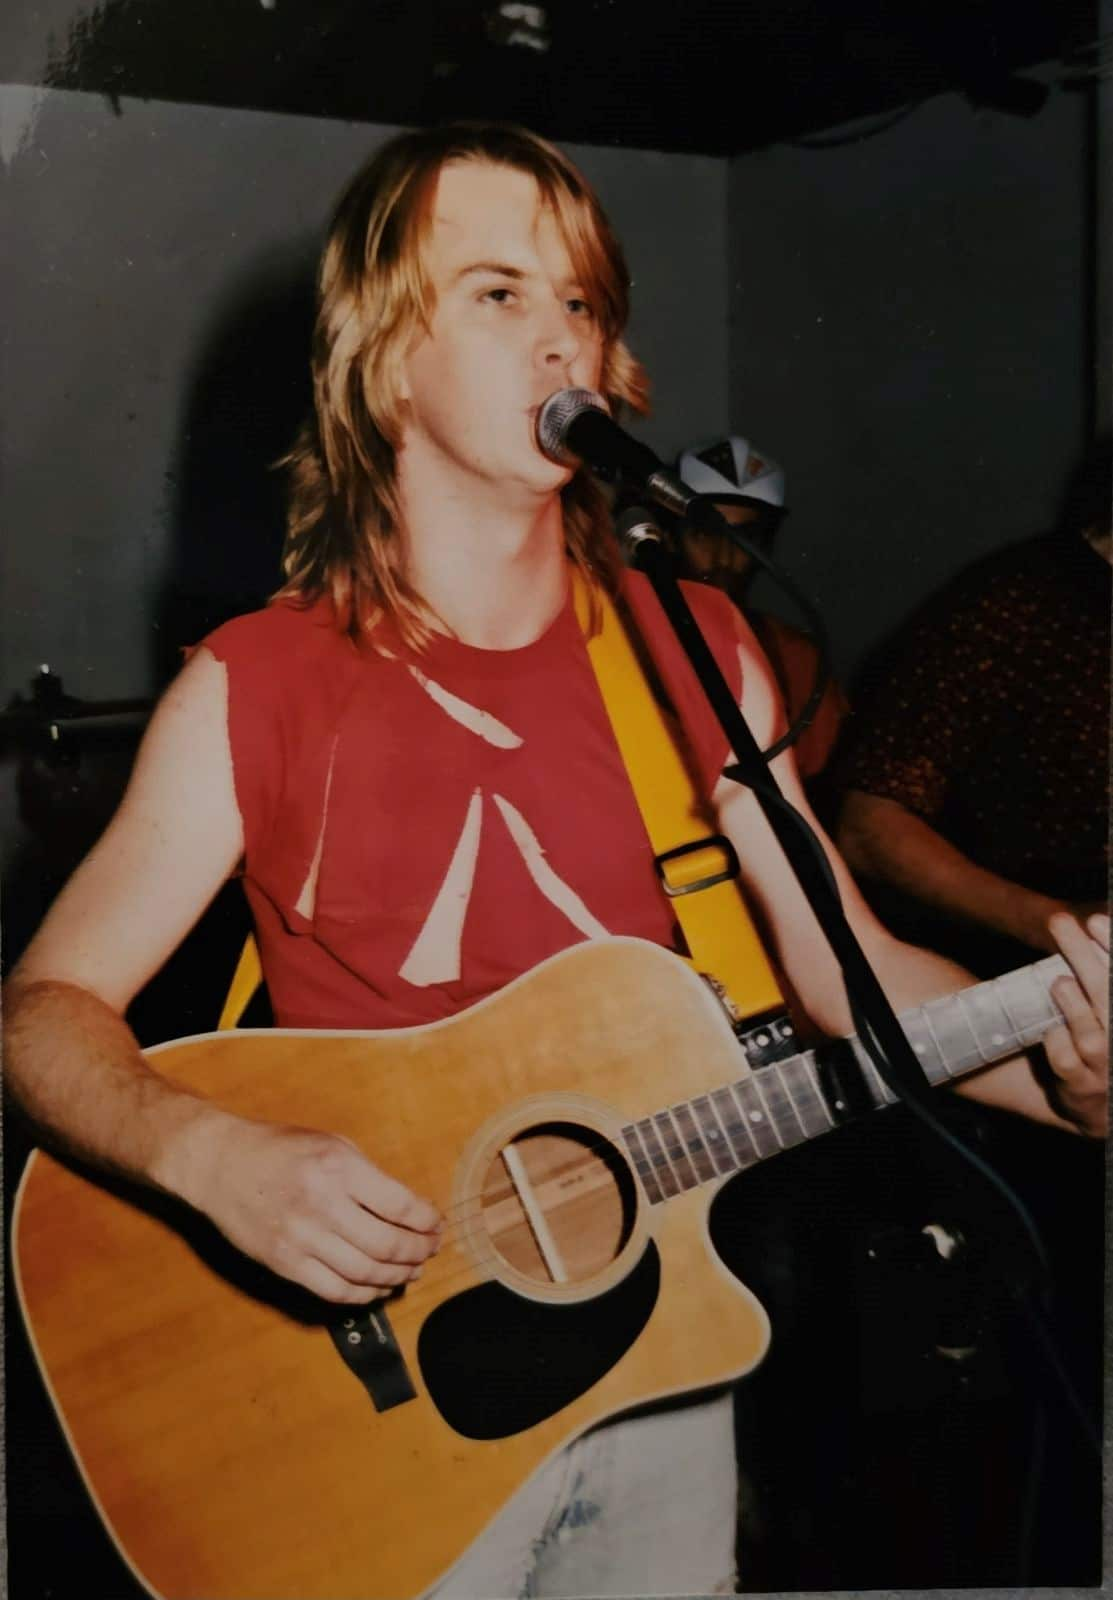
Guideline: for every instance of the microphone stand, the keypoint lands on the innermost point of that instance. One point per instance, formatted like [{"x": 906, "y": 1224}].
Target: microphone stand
[{"x": 881, "y": 1034}]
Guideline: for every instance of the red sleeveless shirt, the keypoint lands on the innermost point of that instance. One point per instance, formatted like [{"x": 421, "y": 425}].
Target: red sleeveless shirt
[{"x": 468, "y": 809}]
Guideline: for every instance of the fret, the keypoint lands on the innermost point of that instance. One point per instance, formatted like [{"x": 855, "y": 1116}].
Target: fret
[
  {"x": 674, "y": 1149},
  {"x": 799, "y": 1075},
  {"x": 940, "y": 1052},
  {"x": 784, "y": 1079},
  {"x": 713, "y": 1136},
  {"x": 737, "y": 1133},
  {"x": 961, "y": 1050},
  {"x": 968, "y": 1014},
  {"x": 755, "y": 1115},
  {"x": 782, "y": 1113},
  {"x": 1026, "y": 1001},
  {"x": 925, "y": 1046},
  {"x": 665, "y": 1175},
  {"x": 641, "y": 1165},
  {"x": 693, "y": 1139},
  {"x": 989, "y": 1020}
]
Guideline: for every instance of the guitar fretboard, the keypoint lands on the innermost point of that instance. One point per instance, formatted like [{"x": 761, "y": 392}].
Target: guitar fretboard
[{"x": 787, "y": 1102}]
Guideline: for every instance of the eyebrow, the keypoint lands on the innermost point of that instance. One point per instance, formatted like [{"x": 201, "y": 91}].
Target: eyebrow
[
  {"x": 503, "y": 269},
  {"x": 499, "y": 267}
]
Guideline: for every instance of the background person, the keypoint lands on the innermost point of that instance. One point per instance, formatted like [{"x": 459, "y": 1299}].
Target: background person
[{"x": 977, "y": 778}]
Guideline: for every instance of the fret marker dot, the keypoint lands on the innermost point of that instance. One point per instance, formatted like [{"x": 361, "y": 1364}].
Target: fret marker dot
[
  {"x": 999, "y": 1038},
  {"x": 762, "y": 1040},
  {"x": 840, "y": 1105},
  {"x": 920, "y": 1049},
  {"x": 756, "y": 1116}
]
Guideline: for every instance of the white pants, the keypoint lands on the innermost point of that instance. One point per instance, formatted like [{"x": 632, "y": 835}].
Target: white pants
[{"x": 643, "y": 1506}]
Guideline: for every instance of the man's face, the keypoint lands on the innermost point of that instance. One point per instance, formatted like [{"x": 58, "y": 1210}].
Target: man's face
[
  {"x": 715, "y": 558},
  {"x": 510, "y": 327}
]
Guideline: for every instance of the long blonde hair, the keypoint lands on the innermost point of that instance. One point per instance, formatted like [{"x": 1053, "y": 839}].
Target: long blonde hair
[{"x": 343, "y": 517}]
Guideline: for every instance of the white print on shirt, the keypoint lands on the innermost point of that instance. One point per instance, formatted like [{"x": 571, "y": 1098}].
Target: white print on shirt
[
  {"x": 435, "y": 954},
  {"x": 474, "y": 718},
  {"x": 307, "y": 899},
  {"x": 555, "y": 890}
]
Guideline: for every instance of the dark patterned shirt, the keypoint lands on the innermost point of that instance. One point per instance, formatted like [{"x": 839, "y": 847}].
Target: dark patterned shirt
[{"x": 990, "y": 717}]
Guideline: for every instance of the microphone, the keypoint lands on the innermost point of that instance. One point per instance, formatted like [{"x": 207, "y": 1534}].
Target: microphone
[
  {"x": 636, "y": 527},
  {"x": 575, "y": 425}
]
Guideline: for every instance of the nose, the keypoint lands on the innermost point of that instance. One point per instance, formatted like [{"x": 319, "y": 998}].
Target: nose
[{"x": 559, "y": 336}]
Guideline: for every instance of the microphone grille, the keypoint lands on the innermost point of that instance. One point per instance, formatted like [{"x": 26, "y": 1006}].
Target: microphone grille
[{"x": 554, "y": 417}]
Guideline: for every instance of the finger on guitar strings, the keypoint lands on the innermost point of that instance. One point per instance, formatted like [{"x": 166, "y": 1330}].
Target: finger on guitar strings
[
  {"x": 364, "y": 1230},
  {"x": 355, "y": 1267},
  {"x": 1088, "y": 958},
  {"x": 1081, "y": 1042},
  {"x": 384, "y": 1197}
]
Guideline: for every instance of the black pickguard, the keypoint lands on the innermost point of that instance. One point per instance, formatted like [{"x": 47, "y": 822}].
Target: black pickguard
[{"x": 495, "y": 1363}]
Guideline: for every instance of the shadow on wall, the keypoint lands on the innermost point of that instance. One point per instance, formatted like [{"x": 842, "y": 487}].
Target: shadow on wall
[{"x": 250, "y": 390}]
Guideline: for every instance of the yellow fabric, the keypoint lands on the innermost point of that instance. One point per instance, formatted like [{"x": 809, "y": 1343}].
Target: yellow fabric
[
  {"x": 716, "y": 924},
  {"x": 245, "y": 980},
  {"x": 715, "y": 921}
]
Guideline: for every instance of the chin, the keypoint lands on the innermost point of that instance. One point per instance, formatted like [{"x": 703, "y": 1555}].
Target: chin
[{"x": 543, "y": 477}]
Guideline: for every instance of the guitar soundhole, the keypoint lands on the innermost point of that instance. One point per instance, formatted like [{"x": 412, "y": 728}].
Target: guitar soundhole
[{"x": 558, "y": 1203}]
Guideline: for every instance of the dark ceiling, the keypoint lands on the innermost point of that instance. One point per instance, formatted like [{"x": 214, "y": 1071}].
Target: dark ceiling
[{"x": 719, "y": 76}]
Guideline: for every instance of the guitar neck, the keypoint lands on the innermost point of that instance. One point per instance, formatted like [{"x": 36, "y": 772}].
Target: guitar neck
[{"x": 788, "y": 1102}]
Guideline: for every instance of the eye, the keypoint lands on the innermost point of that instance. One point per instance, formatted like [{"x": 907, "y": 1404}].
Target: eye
[
  {"x": 579, "y": 307},
  {"x": 502, "y": 296}
]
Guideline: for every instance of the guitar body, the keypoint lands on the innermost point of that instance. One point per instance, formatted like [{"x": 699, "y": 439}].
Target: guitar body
[{"x": 229, "y": 1448}]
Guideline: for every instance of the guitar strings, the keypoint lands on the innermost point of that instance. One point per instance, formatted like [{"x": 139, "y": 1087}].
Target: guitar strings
[
  {"x": 460, "y": 1217},
  {"x": 459, "y": 1234},
  {"x": 475, "y": 1258}
]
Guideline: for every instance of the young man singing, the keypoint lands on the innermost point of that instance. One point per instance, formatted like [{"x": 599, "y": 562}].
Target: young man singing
[{"x": 407, "y": 756}]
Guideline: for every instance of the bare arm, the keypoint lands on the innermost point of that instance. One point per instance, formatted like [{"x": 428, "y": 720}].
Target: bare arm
[
  {"x": 307, "y": 1204},
  {"x": 908, "y": 975},
  {"x": 70, "y": 1060},
  {"x": 881, "y": 839}
]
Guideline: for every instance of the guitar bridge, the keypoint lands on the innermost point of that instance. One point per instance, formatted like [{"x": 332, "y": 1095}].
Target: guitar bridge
[{"x": 366, "y": 1342}]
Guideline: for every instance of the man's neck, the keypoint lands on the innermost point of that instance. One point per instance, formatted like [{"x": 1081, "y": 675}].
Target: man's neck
[{"x": 494, "y": 574}]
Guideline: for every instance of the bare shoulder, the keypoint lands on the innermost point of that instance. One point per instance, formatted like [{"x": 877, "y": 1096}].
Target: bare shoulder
[
  {"x": 171, "y": 844},
  {"x": 190, "y": 721}
]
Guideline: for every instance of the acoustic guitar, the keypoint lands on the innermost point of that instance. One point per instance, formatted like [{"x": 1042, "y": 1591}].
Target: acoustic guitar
[{"x": 242, "y": 1439}]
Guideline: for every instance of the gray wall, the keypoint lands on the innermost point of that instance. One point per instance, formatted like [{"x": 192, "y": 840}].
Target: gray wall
[{"x": 908, "y": 336}]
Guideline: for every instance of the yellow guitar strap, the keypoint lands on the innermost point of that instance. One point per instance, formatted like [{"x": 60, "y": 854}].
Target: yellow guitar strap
[
  {"x": 245, "y": 980},
  {"x": 698, "y": 869}
]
